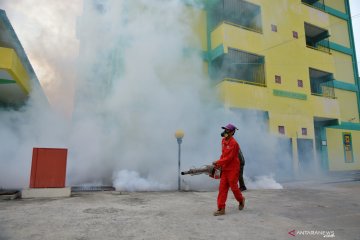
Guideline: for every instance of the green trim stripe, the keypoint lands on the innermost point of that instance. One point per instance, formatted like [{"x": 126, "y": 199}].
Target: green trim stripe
[
  {"x": 345, "y": 86},
  {"x": 208, "y": 36},
  {"x": 336, "y": 13},
  {"x": 213, "y": 54},
  {"x": 352, "y": 45},
  {"x": 327, "y": 9},
  {"x": 7, "y": 81},
  {"x": 324, "y": 150},
  {"x": 281, "y": 93},
  {"x": 347, "y": 126},
  {"x": 341, "y": 48},
  {"x": 205, "y": 55},
  {"x": 218, "y": 51}
]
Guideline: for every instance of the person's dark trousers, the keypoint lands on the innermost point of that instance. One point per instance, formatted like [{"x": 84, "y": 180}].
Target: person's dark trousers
[{"x": 241, "y": 179}]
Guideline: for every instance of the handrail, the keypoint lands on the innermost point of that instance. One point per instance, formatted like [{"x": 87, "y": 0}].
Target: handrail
[
  {"x": 319, "y": 49},
  {"x": 236, "y": 25},
  {"x": 243, "y": 81}
]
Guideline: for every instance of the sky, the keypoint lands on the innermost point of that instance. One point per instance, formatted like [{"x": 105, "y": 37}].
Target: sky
[{"x": 355, "y": 13}]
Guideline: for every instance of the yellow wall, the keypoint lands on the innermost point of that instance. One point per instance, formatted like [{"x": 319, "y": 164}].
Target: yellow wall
[
  {"x": 336, "y": 150},
  {"x": 338, "y": 30},
  {"x": 314, "y": 16},
  {"x": 336, "y": 4},
  {"x": 293, "y": 113},
  {"x": 344, "y": 69},
  {"x": 284, "y": 56},
  {"x": 348, "y": 105},
  {"x": 217, "y": 37},
  {"x": 291, "y": 59},
  {"x": 10, "y": 62},
  {"x": 324, "y": 107},
  {"x": 202, "y": 26},
  {"x": 198, "y": 17},
  {"x": 244, "y": 95},
  {"x": 293, "y": 125}
]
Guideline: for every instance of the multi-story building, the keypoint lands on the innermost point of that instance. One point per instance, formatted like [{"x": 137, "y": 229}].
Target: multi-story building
[
  {"x": 291, "y": 61},
  {"x": 294, "y": 61},
  {"x": 17, "y": 76}
]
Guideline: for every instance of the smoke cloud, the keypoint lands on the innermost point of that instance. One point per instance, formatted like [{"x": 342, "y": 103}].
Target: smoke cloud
[
  {"x": 46, "y": 30},
  {"x": 134, "y": 83}
]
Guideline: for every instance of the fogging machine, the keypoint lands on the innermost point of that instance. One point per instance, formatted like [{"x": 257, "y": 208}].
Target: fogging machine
[{"x": 212, "y": 170}]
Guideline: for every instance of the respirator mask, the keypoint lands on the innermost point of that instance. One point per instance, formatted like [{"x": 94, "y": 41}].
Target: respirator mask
[{"x": 225, "y": 133}]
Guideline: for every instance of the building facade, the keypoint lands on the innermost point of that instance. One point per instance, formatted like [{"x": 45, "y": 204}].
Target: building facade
[
  {"x": 294, "y": 61},
  {"x": 17, "y": 76}
]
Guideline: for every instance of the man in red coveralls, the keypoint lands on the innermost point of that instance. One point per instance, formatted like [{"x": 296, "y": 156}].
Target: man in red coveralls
[{"x": 230, "y": 166}]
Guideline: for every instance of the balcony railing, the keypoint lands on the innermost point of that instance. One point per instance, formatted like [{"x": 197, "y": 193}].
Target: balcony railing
[
  {"x": 236, "y": 12},
  {"x": 239, "y": 66},
  {"x": 319, "y": 4},
  {"x": 260, "y": 84},
  {"x": 323, "y": 45},
  {"x": 323, "y": 89},
  {"x": 317, "y": 37}
]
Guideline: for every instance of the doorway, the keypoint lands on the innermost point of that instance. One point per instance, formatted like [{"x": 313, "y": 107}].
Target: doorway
[{"x": 306, "y": 155}]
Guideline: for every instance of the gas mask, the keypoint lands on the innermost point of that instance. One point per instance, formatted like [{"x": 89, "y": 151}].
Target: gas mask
[{"x": 225, "y": 133}]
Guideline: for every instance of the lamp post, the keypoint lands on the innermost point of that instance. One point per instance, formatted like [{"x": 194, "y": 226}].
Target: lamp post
[{"x": 179, "y": 134}]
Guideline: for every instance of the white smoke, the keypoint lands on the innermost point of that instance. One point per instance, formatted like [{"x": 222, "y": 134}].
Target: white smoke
[
  {"x": 136, "y": 84},
  {"x": 131, "y": 181},
  {"x": 262, "y": 182},
  {"x": 46, "y": 30}
]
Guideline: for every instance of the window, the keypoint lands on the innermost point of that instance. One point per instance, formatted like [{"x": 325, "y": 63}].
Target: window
[
  {"x": 317, "y": 38},
  {"x": 273, "y": 28},
  {"x": 321, "y": 83},
  {"x": 315, "y": 3},
  {"x": 304, "y": 131},
  {"x": 239, "y": 65},
  {"x": 281, "y": 129},
  {"x": 278, "y": 79},
  {"x": 295, "y": 34},
  {"x": 348, "y": 150},
  {"x": 300, "y": 83},
  {"x": 239, "y": 12}
]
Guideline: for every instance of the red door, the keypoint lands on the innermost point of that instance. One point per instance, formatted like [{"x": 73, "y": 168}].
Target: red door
[{"x": 48, "y": 169}]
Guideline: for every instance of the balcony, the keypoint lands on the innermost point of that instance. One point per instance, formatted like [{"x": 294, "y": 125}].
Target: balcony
[
  {"x": 319, "y": 4},
  {"x": 317, "y": 38},
  {"x": 239, "y": 13},
  {"x": 14, "y": 81},
  {"x": 239, "y": 66},
  {"x": 322, "y": 83}
]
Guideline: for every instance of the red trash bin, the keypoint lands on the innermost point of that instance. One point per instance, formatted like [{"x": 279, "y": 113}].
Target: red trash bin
[{"x": 48, "y": 169}]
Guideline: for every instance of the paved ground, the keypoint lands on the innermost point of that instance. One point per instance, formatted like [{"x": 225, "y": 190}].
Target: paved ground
[{"x": 269, "y": 214}]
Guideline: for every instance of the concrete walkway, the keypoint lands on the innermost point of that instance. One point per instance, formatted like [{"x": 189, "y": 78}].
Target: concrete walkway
[{"x": 269, "y": 214}]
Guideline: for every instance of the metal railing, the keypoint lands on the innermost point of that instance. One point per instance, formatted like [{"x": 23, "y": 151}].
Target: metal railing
[
  {"x": 244, "y": 82},
  {"x": 323, "y": 45},
  {"x": 240, "y": 66},
  {"x": 236, "y": 12},
  {"x": 320, "y": 4},
  {"x": 322, "y": 88}
]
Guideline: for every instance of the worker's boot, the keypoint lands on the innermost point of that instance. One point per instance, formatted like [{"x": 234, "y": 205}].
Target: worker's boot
[
  {"x": 219, "y": 212},
  {"x": 242, "y": 204}
]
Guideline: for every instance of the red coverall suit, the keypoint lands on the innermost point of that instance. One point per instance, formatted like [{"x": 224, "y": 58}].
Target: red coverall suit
[{"x": 230, "y": 166}]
